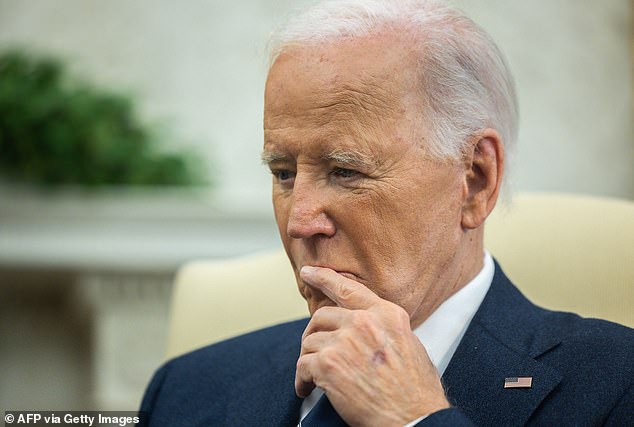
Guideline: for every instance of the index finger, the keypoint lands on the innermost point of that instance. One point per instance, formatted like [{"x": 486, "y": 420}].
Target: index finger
[{"x": 344, "y": 292}]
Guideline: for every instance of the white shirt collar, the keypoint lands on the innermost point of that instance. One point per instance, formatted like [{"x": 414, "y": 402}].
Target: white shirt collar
[{"x": 442, "y": 331}]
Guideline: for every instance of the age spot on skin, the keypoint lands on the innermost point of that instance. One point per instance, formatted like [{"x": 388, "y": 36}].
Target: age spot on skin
[{"x": 379, "y": 357}]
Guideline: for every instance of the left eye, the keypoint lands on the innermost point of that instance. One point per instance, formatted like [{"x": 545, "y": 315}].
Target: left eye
[{"x": 344, "y": 173}]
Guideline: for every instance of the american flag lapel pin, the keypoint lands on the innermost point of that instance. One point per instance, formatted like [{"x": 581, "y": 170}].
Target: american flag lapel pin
[{"x": 518, "y": 382}]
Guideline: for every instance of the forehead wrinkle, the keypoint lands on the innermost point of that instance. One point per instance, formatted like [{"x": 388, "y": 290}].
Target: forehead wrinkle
[{"x": 368, "y": 97}]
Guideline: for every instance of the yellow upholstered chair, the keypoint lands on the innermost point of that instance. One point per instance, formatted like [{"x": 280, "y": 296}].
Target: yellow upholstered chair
[
  {"x": 565, "y": 252},
  {"x": 217, "y": 299}
]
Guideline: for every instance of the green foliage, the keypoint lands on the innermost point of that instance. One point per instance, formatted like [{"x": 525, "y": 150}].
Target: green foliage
[{"x": 54, "y": 131}]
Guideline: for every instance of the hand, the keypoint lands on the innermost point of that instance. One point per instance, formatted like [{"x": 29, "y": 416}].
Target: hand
[{"x": 364, "y": 355}]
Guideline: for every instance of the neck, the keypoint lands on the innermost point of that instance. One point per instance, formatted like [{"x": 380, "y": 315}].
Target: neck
[{"x": 465, "y": 265}]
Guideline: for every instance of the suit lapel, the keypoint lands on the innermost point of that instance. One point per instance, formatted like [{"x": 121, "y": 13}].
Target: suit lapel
[
  {"x": 501, "y": 342},
  {"x": 266, "y": 396}
]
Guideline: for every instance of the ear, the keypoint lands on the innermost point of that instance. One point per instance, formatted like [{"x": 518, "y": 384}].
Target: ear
[{"x": 484, "y": 168}]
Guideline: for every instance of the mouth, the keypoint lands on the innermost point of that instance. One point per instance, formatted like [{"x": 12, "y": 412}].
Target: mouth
[{"x": 349, "y": 275}]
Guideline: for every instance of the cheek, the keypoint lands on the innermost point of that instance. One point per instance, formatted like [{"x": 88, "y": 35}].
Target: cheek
[{"x": 414, "y": 233}]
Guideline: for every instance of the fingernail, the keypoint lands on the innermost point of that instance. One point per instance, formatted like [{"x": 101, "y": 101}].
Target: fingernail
[{"x": 307, "y": 270}]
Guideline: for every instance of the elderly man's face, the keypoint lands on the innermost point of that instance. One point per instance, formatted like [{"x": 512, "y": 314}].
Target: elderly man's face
[{"x": 354, "y": 188}]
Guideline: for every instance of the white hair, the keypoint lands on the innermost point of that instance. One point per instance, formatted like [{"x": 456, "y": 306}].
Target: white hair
[{"x": 467, "y": 85}]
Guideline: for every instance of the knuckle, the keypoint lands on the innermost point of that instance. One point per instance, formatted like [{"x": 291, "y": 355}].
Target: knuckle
[
  {"x": 398, "y": 315},
  {"x": 402, "y": 316},
  {"x": 319, "y": 316},
  {"x": 308, "y": 342},
  {"x": 306, "y": 333},
  {"x": 322, "y": 312},
  {"x": 329, "y": 359},
  {"x": 362, "y": 319},
  {"x": 345, "y": 293},
  {"x": 304, "y": 364},
  {"x": 317, "y": 320},
  {"x": 313, "y": 325}
]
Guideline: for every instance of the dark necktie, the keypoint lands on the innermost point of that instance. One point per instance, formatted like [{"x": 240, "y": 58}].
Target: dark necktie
[{"x": 323, "y": 415}]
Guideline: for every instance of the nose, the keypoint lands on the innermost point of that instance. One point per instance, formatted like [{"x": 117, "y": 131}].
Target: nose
[{"x": 308, "y": 215}]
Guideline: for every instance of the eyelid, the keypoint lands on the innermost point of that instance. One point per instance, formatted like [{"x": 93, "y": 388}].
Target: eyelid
[
  {"x": 277, "y": 171},
  {"x": 361, "y": 167},
  {"x": 354, "y": 174},
  {"x": 285, "y": 181}
]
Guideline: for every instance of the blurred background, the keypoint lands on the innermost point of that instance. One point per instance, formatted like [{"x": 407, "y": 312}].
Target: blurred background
[{"x": 130, "y": 134}]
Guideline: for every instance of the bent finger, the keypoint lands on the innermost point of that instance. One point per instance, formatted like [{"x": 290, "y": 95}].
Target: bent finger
[
  {"x": 316, "y": 341},
  {"x": 327, "y": 318},
  {"x": 304, "y": 379},
  {"x": 344, "y": 292}
]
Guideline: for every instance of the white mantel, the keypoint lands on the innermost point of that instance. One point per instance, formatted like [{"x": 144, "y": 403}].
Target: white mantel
[{"x": 128, "y": 230}]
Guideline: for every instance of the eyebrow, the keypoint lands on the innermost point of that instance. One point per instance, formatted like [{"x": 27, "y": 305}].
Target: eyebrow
[
  {"x": 339, "y": 155},
  {"x": 269, "y": 157},
  {"x": 350, "y": 157}
]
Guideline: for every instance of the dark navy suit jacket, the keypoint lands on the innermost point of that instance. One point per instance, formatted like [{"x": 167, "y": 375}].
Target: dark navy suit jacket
[{"x": 582, "y": 369}]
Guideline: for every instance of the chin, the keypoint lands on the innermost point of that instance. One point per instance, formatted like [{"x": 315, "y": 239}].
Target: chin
[
  {"x": 313, "y": 306},
  {"x": 316, "y": 300}
]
